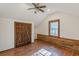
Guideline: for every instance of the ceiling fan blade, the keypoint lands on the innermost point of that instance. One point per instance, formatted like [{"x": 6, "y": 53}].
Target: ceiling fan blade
[
  {"x": 41, "y": 10},
  {"x": 30, "y": 8},
  {"x": 42, "y": 6},
  {"x": 34, "y": 4}
]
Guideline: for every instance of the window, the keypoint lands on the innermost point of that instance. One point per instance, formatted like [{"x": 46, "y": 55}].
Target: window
[{"x": 54, "y": 28}]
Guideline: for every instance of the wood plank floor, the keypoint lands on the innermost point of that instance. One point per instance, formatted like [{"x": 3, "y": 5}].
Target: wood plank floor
[{"x": 29, "y": 49}]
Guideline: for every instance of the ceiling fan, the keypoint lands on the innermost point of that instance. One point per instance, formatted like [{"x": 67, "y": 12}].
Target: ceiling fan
[{"x": 37, "y": 7}]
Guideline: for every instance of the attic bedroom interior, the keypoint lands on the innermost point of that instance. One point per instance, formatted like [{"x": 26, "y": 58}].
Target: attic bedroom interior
[{"x": 39, "y": 29}]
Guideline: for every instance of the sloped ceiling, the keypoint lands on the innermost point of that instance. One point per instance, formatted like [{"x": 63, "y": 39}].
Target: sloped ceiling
[{"x": 19, "y": 10}]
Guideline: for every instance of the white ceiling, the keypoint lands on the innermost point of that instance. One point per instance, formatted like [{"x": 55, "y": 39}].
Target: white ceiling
[{"x": 19, "y": 10}]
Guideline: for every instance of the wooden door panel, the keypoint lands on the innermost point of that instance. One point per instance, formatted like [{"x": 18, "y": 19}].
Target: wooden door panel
[
  {"x": 29, "y": 31},
  {"x": 22, "y": 34}
]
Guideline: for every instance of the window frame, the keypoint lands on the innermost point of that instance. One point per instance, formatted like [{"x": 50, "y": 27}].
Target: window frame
[{"x": 58, "y": 20}]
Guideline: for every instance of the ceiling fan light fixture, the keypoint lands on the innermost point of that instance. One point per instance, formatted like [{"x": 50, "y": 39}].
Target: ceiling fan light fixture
[{"x": 35, "y": 12}]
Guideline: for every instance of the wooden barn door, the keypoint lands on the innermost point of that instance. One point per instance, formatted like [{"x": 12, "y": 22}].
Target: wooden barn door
[{"x": 22, "y": 34}]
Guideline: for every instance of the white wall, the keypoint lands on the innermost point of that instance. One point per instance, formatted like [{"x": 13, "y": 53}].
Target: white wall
[
  {"x": 7, "y": 33},
  {"x": 69, "y": 25}
]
